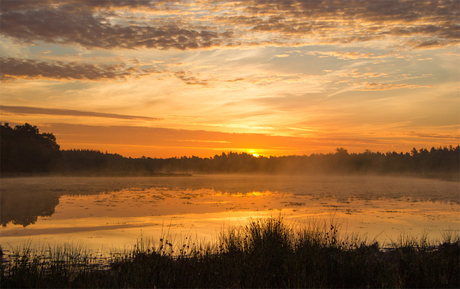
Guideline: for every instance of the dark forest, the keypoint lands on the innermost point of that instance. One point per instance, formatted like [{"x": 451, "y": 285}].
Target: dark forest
[{"x": 26, "y": 151}]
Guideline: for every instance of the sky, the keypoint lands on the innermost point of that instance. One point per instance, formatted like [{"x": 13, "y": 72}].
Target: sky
[{"x": 269, "y": 77}]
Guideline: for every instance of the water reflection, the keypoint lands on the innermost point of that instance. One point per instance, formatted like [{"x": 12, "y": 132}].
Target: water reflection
[
  {"x": 24, "y": 209},
  {"x": 114, "y": 211}
]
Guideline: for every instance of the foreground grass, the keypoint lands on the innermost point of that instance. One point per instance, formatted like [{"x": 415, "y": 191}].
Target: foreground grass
[{"x": 263, "y": 253}]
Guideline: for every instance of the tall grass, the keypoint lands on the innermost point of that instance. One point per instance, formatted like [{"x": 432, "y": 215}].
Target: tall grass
[
  {"x": 262, "y": 253},
  {"x": 57, "y": 265}
]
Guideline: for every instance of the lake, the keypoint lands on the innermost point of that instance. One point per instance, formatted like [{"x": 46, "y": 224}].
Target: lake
[{"x": 105, "y": 214}]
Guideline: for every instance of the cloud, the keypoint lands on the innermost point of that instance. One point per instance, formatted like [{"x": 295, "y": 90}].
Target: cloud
[
  {"x": 75, "y": 23},
  {"x": 412, "y": 23},
  {"x": 355, "y": 73},
  {"x": 132, "y": 24},
  {"x": 365, "y": 86},
  {"x": 16, "y": 69},
  {"x": 12, "y": 68},
  {"x": 346, "y": 55},
  {"x": 188, "y": 78},
  {"x": 290, "y": 103},
  {"x": 450, "y": 53},
  {"x": 137, "y": 135},
  {"x": 435, "y": 135},
  {"x": 27, "y": 5},
  {"x": 405, "y": 11},
  {"x": 69, "y": 112}
]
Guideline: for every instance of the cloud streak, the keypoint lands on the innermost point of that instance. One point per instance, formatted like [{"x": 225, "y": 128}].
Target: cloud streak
[
  {"x": 69, "y": 112},
  {"x": 28, "y": 69},
  {"x": 365, "y": 86},
  {"x": 346, "y": 55}
]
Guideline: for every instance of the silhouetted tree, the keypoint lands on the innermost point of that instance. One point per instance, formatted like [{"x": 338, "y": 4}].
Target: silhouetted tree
[{"x": 25, "y": 150}]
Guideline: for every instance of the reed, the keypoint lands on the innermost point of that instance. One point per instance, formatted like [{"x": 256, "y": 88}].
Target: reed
[{"x": 262, "y": 253}]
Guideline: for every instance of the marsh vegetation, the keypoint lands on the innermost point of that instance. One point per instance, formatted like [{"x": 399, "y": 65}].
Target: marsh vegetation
[{"x": 263, "y": 253}]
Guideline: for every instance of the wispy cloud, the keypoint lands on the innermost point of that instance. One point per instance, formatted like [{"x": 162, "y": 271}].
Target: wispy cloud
[
  {"x": 69, "y": 112},
  {"x": 188, "y": 78},
  {"x": 365, "y": 86},
  {"x": 435, "y": 135},
  {"x": 346, "y": 55}
]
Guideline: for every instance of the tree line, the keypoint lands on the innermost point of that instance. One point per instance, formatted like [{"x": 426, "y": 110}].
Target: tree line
[{"x": 24, "y": 150}]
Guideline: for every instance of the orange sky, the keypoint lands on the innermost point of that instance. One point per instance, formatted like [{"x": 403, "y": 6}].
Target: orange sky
[{"x": 174, "y": 78}]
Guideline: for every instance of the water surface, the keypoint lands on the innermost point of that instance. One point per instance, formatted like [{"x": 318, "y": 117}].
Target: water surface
[{"x": 105, "y": 214}]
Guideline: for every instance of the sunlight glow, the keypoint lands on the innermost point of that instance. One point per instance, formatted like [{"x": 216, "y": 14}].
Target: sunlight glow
[{"x": 241, "y": 83}]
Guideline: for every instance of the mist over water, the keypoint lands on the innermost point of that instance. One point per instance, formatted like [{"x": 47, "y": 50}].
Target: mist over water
[{"x": 110, "y": 213}]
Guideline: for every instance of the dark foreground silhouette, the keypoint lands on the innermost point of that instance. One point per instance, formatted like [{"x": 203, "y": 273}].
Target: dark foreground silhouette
[
  {"x": 261, "y": 254},
  {"x": 26, "y": 151}
]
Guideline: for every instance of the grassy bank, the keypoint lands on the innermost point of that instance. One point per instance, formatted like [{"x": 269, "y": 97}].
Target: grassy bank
[{"x": 262, "y": 253}]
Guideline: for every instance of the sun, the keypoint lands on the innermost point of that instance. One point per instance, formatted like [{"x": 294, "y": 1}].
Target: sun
[{"x": 253, "y": 152}]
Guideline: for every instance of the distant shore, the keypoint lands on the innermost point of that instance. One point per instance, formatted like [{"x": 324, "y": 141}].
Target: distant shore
[
  {"x": 453, "y": 177},
  {"x": 54, "y": 174}
]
